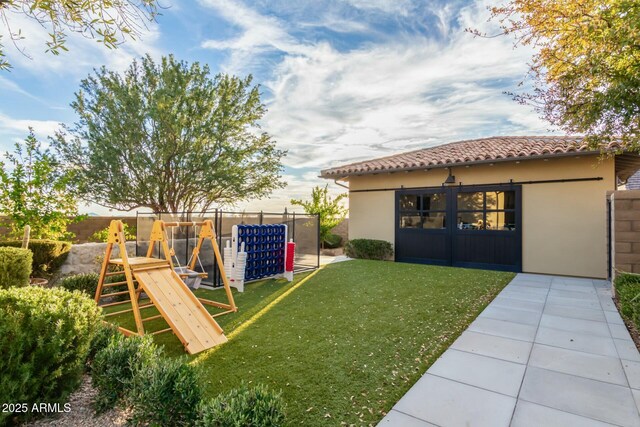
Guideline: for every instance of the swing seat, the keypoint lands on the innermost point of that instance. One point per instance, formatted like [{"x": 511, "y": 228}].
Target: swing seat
[{"x": 191, "y": 278}]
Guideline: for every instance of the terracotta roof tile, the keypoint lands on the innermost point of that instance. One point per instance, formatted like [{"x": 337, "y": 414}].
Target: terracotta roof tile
[{"x": 500, "y": 148}]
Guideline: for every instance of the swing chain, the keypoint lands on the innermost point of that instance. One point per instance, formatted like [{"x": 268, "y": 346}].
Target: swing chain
[
  {"x": 172, "y": 251},
  {"x": 195, "y": 233}
]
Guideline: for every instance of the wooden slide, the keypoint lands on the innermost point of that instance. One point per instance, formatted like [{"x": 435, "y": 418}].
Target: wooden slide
[{"x": 182, "y": 310}]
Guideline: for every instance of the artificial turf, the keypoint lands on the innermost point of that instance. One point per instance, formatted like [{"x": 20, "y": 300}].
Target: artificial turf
[{"x": 347, "y": 343}]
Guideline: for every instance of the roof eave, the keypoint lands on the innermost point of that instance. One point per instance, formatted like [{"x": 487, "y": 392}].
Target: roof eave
[{"x": 448, "y": 165}]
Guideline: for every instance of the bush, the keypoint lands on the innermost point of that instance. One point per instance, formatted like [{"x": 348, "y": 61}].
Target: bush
[
  {"x": 165, "y": 392},
  {"x": 15, "y": 267},
  {"x": 48, "y": 255},
  {"x": 44, "y": 341},
  {"x": 115, "y": 366},
  {"x": 102, "y": 235},
  {"x": 368, "y": 249},
  {"x": 104, "y": 335},
  {"x": 244, "y": 406},
  {"x": 332, "y": 241},
  {"x": 88, "y": 283},
  {"x": 628, "y": 292}
]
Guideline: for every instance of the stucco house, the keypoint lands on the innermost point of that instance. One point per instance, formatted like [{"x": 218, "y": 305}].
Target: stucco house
[{"x": 518, "y": 203}]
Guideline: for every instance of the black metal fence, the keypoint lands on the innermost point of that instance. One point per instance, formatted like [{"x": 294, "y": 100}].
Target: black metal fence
[{"x": 304, "y": 229}]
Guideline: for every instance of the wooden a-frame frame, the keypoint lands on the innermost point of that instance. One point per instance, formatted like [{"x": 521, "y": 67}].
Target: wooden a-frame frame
[{"x": 207, "y": 232}]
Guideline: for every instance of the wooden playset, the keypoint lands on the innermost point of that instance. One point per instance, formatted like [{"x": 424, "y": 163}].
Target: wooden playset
[{"x": 183, "y": 311}]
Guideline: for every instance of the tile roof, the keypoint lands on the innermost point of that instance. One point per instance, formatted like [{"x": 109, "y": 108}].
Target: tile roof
[{"x": 493, "y": 149}]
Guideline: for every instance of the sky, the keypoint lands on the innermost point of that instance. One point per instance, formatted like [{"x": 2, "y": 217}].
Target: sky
[{"x": 343, "y": 80}]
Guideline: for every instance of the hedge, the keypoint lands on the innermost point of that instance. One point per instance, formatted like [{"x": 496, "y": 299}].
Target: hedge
[
  {"x": 106, "y": 333},
  {"x": 244, "y": 406},
  {"x": 332, "y": 241},
  {"x": 628, "y": 292},
  {"x": 165, "y": 392},
  {"x": 45, "y": 336},
  {"x": 88, "y": 283},
  {"x": 368, "y": 249},
  {"x": 115, "y": 366},
  {"x": 48, "y": 255},
  {"x": 15, "y": 267},
  {"x": 162, "y": 391},
  {"x": 101, "y": 236}
]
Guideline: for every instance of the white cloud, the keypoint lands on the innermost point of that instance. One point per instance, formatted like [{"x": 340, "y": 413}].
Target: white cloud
[
  {"x": 329, "y": 107},
  {"x": 398, "y": 7},
  {"x": 338, "y": 24},
  {"x": 259, "y": 33},
  {"x": 20, "y": 127},
  {"x": 9, "y": 85}
]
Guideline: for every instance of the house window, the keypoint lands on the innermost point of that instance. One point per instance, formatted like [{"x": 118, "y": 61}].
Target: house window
[
  {"x": 487, "y": 210},
  {"x": 423, "y": 210}
]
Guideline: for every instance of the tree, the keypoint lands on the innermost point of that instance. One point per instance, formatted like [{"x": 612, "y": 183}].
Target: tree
[
  {"x": 328, "y": 209},
  {"x": 36, "y": 192},
  {"x": 586, "y": 71},
  {"x": 110, "y": 22},
  {"x": 168, "y": 137}
]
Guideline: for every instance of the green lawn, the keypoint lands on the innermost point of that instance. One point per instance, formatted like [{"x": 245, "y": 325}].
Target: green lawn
[{"x": 350, "y": 341}]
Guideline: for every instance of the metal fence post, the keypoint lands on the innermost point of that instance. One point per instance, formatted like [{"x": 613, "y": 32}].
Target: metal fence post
[
  {"x": 137, "y": 232},
  {"x": 219, "y": 237},
  {"x": 293, "y": 227},
  {"x": 214, "y": 271},
  {"x": 186, "y": 238},
  {"x": 319, "y": 242}
]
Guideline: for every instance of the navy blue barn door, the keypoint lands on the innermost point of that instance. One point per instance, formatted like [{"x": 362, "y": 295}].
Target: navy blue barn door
[{"x": 462, "y": 226}]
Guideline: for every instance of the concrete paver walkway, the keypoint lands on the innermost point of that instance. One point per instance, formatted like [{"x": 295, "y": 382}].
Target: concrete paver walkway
[{"x": 548, "y": 351}]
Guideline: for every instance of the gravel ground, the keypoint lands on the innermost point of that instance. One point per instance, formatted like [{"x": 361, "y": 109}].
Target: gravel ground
[{"x": 82, "y": 413}]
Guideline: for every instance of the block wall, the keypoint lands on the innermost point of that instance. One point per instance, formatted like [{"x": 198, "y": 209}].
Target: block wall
[{"x": 625, "y": 229}]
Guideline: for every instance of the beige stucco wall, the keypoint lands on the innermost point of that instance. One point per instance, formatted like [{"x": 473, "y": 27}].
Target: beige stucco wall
[{"x": 563, "y": 224}]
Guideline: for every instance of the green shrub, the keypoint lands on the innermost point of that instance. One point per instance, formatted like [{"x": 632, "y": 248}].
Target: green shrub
[
  {"x": 15, "y": 267},
  {"x": 88, "y": 283},
  {"x": 102, "y": 235},
  {"x": 368, "y": 249},
  {"x": 44, "y": 341},
  {"x": 104, "y": 335},
  {"x": 256, "y": 406},
  {"x": 166, "y": 392},
  {"x": 115, "y": 366},
  {"x": 628, "y": 292},
  {"x": 48, "y": 255},
  {"x": 332, "y": 241}
]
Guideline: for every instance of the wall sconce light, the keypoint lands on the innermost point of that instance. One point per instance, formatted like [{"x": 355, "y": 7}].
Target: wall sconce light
[{"x": 451, "y": 179}]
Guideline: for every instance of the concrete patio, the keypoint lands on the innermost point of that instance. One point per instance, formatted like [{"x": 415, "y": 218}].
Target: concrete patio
[{"x": 548, "y": 351}]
